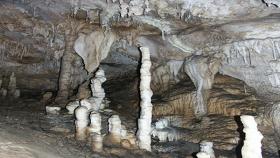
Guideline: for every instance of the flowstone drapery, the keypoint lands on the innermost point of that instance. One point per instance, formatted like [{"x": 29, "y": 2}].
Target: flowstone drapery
[
  {"x": 94, "y": 47},
  {"x": 202, "y": 70}
]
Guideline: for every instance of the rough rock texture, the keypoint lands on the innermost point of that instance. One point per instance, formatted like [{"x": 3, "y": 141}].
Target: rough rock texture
[
  {"x": 94, "y": 47},
  {"x": 57, "y": 45}
]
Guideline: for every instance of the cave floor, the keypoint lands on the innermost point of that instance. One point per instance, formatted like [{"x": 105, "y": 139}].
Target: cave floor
[{"x": 27, "y": 132}]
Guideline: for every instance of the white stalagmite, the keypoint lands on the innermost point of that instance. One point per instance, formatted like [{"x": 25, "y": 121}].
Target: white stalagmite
[
  {"x": 145, "y": 120},
  {"x": 95, "y": 132},
  {"x": 252, "y": 143},
  {"x": 88, "y": 103},
  {"x": 53, "y": 110},
  {"x": 81, "y": 123},
  {"x": 97, "y": 90},
  {"x": 72, "y": 106},
  {"x": 115, "y": 128},
  {"x": 207, "y": 147},
  {"x": 202, "y": 155}
]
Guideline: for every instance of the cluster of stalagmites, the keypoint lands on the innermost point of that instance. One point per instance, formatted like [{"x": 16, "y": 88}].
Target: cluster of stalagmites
[
  {"x": 11, "y": 90},
  {"x": 96, "y": 101},
  {"x": 88, "y": 113},
  {"x": 117, "y": 132},
  {"x": 89, "y": 118},
  {"x": 91, "y": 107}
]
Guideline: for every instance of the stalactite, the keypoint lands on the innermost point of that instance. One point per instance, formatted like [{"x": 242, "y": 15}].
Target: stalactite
[
  {"x": 94, "y": 47},
  {"x": 202, "y": 70},
  {"x": 145, "y": 120}
]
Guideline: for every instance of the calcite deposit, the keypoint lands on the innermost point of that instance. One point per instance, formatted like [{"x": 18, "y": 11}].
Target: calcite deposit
[{"x": 159, "y": 78}]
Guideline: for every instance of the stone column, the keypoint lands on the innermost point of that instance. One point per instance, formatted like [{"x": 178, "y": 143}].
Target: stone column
[
  {"x": 145, "y": 120},
  {"x": 95, "y": 132},
  {"x": 252, "y": 143},
  {"x": 81, "y": 123}
]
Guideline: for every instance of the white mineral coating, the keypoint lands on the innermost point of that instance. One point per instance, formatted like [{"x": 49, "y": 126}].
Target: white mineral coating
[
  {"x": 53, "y": 110},
  {"x": 136, "y": 8},
  {"x": 72, "y": 106},
  {"x": 164, "y": 132},
  {"x": 115, "y": 128},
  {"x": 145, "y": 120},
  {"x": 94, "y": 47},
  {"x": 124, "y": 9},
  {"x": 202, "y": 155},
  {"x": 222, "y": 9},
  {"x": 207, "y": 147},
  {"x": 95, "y": 132},
  {"x": 202, "y": 71},
  {"x": 162, "y": 123},
  {"x": 272, "y": 3},
  {"x": 252, "y": 143},
  {"x": 86, "y": 103},
  {"x": 81, "y": 123}
]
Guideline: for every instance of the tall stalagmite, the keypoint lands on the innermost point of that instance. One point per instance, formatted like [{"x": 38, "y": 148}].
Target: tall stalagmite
[
  {"x": 145, "y": 120},
  {"x": 252, "y": 147}
]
